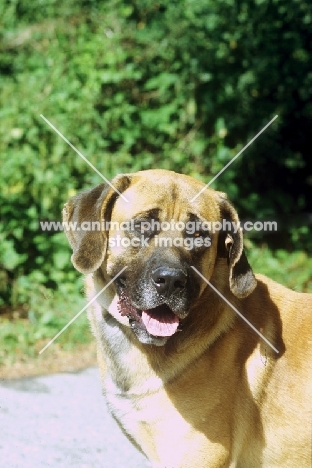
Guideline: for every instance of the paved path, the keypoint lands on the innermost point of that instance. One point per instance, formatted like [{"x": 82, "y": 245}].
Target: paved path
[{"x": 61, "y": 421}]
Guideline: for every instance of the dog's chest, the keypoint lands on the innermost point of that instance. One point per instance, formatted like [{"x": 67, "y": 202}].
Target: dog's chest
[
  {"x": 133, "y": 390},
  {"x": 134, "y": 398},
  {"x": 133, "y": 410}
]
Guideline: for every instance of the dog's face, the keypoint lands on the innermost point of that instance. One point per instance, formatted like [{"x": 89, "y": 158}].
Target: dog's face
[{"x": 156, "y": 236}]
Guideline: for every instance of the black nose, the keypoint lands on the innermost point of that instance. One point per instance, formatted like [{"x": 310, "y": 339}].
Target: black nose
[{"x": 168, "y": 281}]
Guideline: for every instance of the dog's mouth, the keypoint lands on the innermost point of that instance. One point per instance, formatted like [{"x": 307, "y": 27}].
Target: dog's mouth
[{"x": 159, "y": 321}]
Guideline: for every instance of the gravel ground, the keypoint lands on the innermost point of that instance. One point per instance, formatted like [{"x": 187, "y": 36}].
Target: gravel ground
[{"x": 61, "y": 421}]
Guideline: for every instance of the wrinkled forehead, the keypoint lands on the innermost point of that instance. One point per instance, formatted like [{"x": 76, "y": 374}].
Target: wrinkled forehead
[{"x": 167, "y": 197}]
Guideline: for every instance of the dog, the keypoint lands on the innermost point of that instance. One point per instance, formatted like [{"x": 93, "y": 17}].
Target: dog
[{"x": 203, "y": 364}]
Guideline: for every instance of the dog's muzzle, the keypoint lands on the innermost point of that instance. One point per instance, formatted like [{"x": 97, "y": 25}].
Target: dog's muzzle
[{"x": 159, "y": 319}]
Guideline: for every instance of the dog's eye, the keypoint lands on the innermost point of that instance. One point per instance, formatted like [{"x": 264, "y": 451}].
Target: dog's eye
[
  {"x": 200, "y": 234},
  {"x": 146, "y": 227},
  {"x": 198, "y": 240}
]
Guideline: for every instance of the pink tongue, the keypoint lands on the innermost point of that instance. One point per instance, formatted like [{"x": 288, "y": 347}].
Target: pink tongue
[{"x": 160, "y": 321}]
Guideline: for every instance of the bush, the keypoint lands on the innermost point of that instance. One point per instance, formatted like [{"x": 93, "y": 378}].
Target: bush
[{"x": 134, "y": 85}]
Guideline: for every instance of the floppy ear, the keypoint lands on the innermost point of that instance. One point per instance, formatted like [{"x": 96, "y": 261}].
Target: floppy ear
[
  {"x": 230, "y": 245},
  {"x": 89, "y": 243}
]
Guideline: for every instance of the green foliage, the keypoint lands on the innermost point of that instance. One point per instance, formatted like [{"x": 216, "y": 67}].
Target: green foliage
[
  {"x": 28, "y": 329},
  {"x": 135, "y": 85},
  {"x": 291, "y": 269}
]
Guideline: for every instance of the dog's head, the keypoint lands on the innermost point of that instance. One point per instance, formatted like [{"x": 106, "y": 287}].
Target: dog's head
[{"x": 147, "y": 224}]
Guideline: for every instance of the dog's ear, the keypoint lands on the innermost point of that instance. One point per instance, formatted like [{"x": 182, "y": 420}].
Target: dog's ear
[
  {"x": 89, "y": 241},
  {"x": 230, "y": 246}
]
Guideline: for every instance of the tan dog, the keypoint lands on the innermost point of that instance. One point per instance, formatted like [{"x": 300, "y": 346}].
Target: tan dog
[{"x": 189, "y": 381}]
